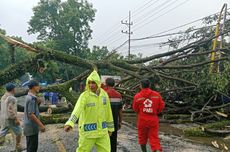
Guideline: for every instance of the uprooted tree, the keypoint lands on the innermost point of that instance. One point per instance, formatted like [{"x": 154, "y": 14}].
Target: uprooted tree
[{"x": 182, "y": 76}]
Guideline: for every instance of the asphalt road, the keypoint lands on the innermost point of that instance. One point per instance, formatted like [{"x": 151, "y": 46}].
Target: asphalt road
[{"x": 56, "y": 140}]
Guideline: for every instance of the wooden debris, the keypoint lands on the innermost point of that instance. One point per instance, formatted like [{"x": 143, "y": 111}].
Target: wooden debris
[
  {"x": 222, "y": 114},
  {"x": 216, "y": 132},
  {"x": 215, "y": 144}
]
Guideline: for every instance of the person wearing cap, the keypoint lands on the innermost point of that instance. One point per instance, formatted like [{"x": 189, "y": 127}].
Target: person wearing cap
[
  {"x": 116, "y": 105},
  {"x": 148, "y": 104},
  {"x": 32, "y": 124},
  {"x": 94, "y": 115},
  {"x": 9, "y": 119}
]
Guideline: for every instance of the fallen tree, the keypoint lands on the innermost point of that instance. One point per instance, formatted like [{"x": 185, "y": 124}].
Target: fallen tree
[{"x": 183, "y": 75}]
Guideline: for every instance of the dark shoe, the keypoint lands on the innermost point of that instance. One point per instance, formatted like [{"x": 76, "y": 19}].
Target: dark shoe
[
  {"x": 2, "y": 140},
  {"x": 19, "y": 148},
  {"x": 143, "y": 148}
]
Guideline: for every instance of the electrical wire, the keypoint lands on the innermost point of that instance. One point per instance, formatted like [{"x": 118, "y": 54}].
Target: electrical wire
[
  {"x": 120, "y": 46},
  {"x": 160, "y": 36},
  {"x": 154, "y": 11},
  {"x": 116, "y": 26},
  {"x": 169, "y": 34},
  {"x": 157, "y": 44},
  {"x": 161, "y": 15},
  {"x": 172, "y": 29},
  {"x": 180, "y": 26},
  {"x": 143, "y": 8}
]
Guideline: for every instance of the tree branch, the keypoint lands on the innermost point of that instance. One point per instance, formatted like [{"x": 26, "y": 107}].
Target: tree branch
[
  {"x": 189, "y": 46},
  {"x": 188, "y": 66}
]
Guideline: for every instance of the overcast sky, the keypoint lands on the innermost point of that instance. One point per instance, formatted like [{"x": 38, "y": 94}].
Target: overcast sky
[{"x": 149, "y": 18}]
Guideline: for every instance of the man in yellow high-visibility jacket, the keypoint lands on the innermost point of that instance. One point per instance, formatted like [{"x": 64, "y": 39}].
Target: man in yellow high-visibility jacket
[{"x": 95, "y": 117}]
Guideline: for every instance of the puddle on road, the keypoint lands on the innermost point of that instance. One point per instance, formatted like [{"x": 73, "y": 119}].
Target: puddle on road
[{"x": 171, "y": 130}]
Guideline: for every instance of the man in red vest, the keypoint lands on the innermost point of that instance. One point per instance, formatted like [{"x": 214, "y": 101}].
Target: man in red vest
[
  {"x": 148, "y": 104},
  {"x": 116, "y": 105}
]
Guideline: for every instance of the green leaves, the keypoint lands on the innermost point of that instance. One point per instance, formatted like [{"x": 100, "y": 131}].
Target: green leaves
[{"x": 65, "y": 23}]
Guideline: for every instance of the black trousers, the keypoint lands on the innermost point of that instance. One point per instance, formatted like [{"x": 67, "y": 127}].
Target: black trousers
[
  {"x": 113, "y": 141},
  {"x": 32, "y": 143}
]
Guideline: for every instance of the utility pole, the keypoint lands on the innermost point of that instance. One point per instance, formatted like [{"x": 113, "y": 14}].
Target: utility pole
[
  {"x": 129, "y": 32},
  {"x": 219, "y": 30}
]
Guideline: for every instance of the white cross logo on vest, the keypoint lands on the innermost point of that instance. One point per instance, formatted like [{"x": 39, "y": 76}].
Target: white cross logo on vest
[{"x": 148, "y": 106}]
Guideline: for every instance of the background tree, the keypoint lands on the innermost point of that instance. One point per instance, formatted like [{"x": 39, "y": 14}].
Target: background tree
[{"x": 64, "y": 24}]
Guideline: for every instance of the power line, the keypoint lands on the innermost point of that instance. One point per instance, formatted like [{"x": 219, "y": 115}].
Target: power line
[
  {"x": 120, "y": 46},
  {"x": 177, "y": 27},
  {"x": 160, "y": 36},
  {"x": 162, "y": 14},
  {"x": 115, "y": 40},
  {"x": 141, "y": 8},
  {"x": 116, "y": 26},
  {"x": 169, "y": 34},
  {"x": 152, "y": 13},
  {"x": 151, "y": 44},
  {"x": 172, "y": 29},
  {"x": 155, "y": 9},
  {"x": 111, "y": 36},
  {"x": 164, "y": 35},
  {"x": 158, "y": 44},
  {"x": 144, "y": 8},
  {"x": 148, "y": 13},
  {"x": 157, "y": 36}
]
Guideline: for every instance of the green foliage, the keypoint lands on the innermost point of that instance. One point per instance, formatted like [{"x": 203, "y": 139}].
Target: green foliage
[
  {"x": 2, "y": 31},
  {"x": 50, "y": 74},
  {"x": 195, "y": 132},
  {"x": 210, "y": 82},
  {"x": 64, "y": 26},
  {"x": 207, "y": 83},
  {"x": 98, "y": 53},
  {"x": 63, "y": 23},
  {"x": 54, "y": 118}
]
